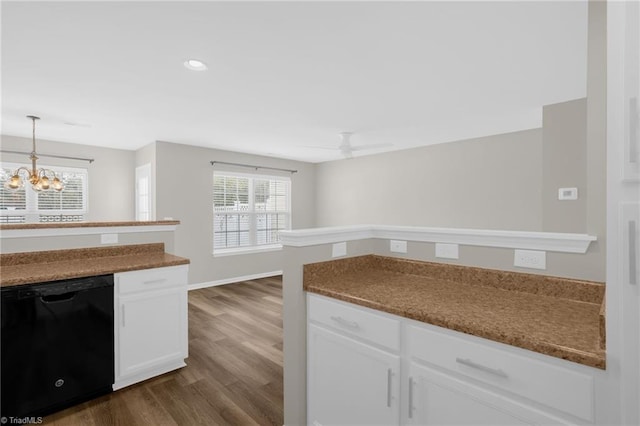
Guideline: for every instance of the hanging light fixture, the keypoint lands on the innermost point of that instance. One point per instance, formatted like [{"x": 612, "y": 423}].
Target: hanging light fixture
[{"x": 40, "y": 179}]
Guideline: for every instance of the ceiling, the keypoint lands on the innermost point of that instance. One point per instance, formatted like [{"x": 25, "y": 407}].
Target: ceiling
[{"x": 286, "y": 77}]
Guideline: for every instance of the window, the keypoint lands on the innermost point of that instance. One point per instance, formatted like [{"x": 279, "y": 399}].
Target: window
[
  {"x": 249, "y": 211},
  {"x": 143, "y": 193},
  {"x": 25, "y": 205}
]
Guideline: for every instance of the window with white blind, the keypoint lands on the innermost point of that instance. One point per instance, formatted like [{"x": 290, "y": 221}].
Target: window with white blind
[
  {"x": 143, "y": 193},
  {"x": 249, "y": 211},
  {"x": 26, "y": 205}
]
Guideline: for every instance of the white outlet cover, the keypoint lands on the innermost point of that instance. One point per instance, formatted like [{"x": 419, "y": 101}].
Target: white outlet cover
[
  {"x": 108, "y": 238},
  {"x": 447, "y": 251},
  {"x": 339, "y": 249},
  {"x": 397, "y": 246},
  {"x": 532, "y": 259}
]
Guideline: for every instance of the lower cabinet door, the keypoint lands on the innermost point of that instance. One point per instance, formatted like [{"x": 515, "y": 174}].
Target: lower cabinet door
[
  {"x": 349, "y": 382},
  {"x": 435, "y": 398},
  {"x": 152, "y": 330}
]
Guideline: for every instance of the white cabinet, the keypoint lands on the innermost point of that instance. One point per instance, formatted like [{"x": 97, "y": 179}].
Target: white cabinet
[
  {"x": 360, "y": 371},
  {"x": 351, "y": 382},
  {"x": 150, "y": 323},
  {"x": 353, "y": 365}
]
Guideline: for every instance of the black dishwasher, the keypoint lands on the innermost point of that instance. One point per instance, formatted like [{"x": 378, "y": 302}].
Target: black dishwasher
[{"x": 57, "y": 344}]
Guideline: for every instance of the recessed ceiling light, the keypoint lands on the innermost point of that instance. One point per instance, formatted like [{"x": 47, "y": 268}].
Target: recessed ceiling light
[{"x": 195, "y": 65}]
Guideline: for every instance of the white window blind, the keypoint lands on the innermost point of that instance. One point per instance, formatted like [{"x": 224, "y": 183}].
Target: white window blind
[
  {"x": 26, "y": 205},
  {"x": 249, "y": 210}
]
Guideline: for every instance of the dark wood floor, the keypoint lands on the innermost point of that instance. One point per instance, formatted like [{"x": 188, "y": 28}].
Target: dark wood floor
[{"x": 233, "y": 374}]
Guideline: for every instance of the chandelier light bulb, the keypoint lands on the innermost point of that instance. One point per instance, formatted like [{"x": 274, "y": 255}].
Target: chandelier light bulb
[
  {"x": 14, "y": 183},
  {"x": 56, "y": 184},
  {"x": 44, "y": 183}
]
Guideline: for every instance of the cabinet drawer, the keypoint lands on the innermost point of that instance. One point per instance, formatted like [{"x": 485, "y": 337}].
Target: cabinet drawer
[
  {"x": 151, "y": 279},
  {"x": 563, "y": 389},
  {"x": 355, "y": 320}
]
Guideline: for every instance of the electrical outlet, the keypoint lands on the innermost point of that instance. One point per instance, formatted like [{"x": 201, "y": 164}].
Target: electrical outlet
[
  {"x": 398, "y": 246},
  {"x": 530, "y": 259},
  {"x": 447, "y": 251},
  {"x": 339, "y": 249},
  {"x": 108, "y": 238}
]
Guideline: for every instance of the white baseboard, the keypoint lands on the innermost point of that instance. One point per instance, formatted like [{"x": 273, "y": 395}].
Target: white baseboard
[{"x": 233, "y": 280}]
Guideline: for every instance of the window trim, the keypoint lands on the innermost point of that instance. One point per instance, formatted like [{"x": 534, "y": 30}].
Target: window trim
[
  {"x": 31, "y": 211},
  {"x": 251, "y": 249}
]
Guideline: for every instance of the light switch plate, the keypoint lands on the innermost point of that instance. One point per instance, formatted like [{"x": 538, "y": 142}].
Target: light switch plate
[
  {"x": 397, "y": 246},
  {"x": 447, "y": 251},
  {"x": 530, "y": 259},
  {"x": 108, "y": 238},
  {"x": 339, "y": 249}
]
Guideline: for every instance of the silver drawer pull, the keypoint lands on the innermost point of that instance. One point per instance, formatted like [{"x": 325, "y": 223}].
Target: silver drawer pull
[
  {"x": 159, "y": 280},
  {"x": 346, "y": 323},
  {"x": 494, "y": 371},
  {"x": 389, "y": 374},
  {"x": 633, "y": 255}
]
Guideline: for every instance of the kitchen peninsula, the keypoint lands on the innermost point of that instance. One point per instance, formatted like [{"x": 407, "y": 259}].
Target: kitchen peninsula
[
  {"x": 122, "y": 306},
  {"x": 422, "y": 326}
]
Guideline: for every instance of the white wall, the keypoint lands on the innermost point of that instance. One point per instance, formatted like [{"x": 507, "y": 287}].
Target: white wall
[
  {"x": 111, "y": 175},
  {"x": 493, "y": 182},
  {"x": 184, "y": 191}
]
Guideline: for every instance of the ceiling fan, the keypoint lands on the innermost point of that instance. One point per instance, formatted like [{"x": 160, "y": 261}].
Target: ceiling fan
[{"x": 346, "y": 149}]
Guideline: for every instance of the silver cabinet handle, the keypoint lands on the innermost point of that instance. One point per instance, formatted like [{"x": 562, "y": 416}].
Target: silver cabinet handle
[
  {"x": 159, "y": 280},
  {"x": 481, "y": 367},
  {"x": 410, "y": 397},
  {"x": 389, "y": 374},
  {"x": 346, "y": 323},
  {"x": 633, "y": 130},
  {"x": 633, "y": 253},
  {"x": 123, "y": 323}
]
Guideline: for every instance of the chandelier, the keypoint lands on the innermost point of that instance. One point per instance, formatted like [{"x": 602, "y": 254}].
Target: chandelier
[{"x": 40, "y": 179}]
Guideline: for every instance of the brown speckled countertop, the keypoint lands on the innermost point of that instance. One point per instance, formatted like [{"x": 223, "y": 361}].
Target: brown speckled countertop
[
  {"x": 44, "y": 266},
  {"x": 10, "y": 226},
  {"x": 559, "y": 317}
]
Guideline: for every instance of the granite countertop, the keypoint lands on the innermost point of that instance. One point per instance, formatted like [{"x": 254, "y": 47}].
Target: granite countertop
[
  {"x": 559, "y": 317},
  {"x": 10, "y": 226},
  {"x": 44, "y": 266}
]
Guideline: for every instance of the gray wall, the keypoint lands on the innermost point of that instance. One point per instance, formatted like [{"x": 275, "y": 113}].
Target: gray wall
[
  {"x": 184, "y": 185},
  {"x": 492, "y": 182},
  {"x": 111, "y": 190},
  {"x": 564, "y": 155}
]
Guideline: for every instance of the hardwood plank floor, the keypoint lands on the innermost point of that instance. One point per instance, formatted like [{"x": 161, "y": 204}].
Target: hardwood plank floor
[{"x": 233, "y": 374}]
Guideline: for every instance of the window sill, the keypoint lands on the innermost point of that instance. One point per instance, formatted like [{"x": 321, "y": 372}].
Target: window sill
[{"x": 247, "y": 250}]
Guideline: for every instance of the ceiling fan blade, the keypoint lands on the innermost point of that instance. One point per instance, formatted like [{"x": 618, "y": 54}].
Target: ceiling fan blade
[{"x": 372, "y": 146}]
